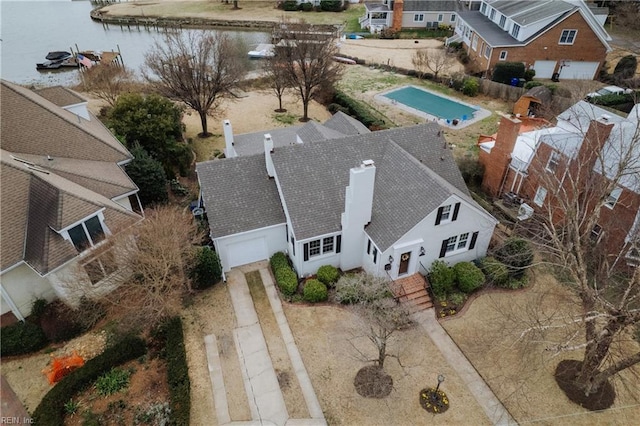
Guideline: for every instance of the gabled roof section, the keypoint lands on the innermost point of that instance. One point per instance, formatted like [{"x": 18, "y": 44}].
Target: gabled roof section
[
  {"x": 239, "y": 195},
  {"x": 31, "y": 124},
  {"x": 376, "y": 7},
  {"x": 346, "y": 124},
  {"x": 431, "y": 6},
  {"x": 14, "y": 192},
  {"x": 314, "y": 132},
  {"x": 60, "y": 96}
]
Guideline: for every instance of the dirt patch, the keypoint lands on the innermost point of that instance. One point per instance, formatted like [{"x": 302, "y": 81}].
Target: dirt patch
[
  {"x": 565, "y": 375},
  {"x": 373, "y": 382}
]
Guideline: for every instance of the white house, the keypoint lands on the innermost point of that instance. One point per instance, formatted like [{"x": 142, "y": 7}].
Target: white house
[
  {"x": 63, "y": 191},
  {"x": 407, "y": 14},
  {"x": 391, "y": 201}
]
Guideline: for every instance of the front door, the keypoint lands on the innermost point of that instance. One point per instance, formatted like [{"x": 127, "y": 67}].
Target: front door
[{"x": 404, "y": 263}]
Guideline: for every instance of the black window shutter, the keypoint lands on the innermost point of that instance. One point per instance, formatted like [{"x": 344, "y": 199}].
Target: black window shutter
[
  {"x": 474, "y": 237},
  {"x": 293, "y": 244},
  {"x": 306, "y": 251},
  {"x": 443, "y": 248},
  {"x": 456, "y": 209},
  {"x": 338, "y": 243},
  {"x": 439, "y": 216},
  {"x": 286, "y": 230},
  {"x": 368, "y": 246},
  {"x": 375, "y": 255}
]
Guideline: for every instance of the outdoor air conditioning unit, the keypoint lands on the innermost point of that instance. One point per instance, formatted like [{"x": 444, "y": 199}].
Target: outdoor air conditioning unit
[
  {"x": 197, "y": 212},
  {"x": 525, "y": 211}
]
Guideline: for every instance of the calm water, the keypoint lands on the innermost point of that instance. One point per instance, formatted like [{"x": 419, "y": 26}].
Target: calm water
[{"x": 30, "y": 29}]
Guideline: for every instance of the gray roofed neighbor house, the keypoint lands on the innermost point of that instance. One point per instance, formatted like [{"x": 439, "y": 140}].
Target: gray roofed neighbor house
[
  {"x": 314, "y": 132},
  {"x": 488, "y": 30},
  {"x": 239, "y": 195},
  {"x": 253, "y": 143},
  {"x": 376, "y": 7},
  {"x": 60, "y": 96},
  {"x": 544, "y": 11},
  {"x": 431, "y": 6}
]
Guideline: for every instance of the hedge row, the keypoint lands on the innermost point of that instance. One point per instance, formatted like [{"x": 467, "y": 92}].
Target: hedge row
[
  {"x": 51, "y": 411},
  {"x": 177, "y": 373},
  {"x": 286, "y": 277},
  {"x": 358, "y": 110},
  {"x": 465, "y": 276},
  {"x": 21, "y": 338}
]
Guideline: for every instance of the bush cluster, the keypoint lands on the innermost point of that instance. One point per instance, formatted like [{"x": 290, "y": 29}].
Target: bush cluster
[
  {"x": 177, "y": 373},
  {"x": 496, "y": 272},
  {"x": 358, "y": 110},
  {"x": 331, "y": 5},
  {"x": 314, "y": 291},
  {"x": 286, "y": 277},
  {"x": 51, "y": 409},
  {"x": 328, "y": 275},
  {"x": 503, "y": 72},
  {"x": 441, "y": 278},
  {"x": 612, "y": 99},
  {"x": 517, "y": 255},
  {"x": 207, "y": 269},
  {"x": 468, "y": 277},
  {"x": 470, "y": 87},
  {"x": 21, "y": 338}
]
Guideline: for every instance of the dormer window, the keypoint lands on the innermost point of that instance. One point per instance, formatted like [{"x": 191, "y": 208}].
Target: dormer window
[
  {"x": 503, "y": 21},
  {"x": 492, "y": 14},
  {"x": 86, "y": 234},
  {"x": 515, "y": 30},
  {"x": 483, "y": 8}
]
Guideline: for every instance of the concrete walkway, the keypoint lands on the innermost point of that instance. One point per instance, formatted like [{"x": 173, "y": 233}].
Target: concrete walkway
[
  {"x": 493, "y": 408},
  {"x": 266, "y": 401}
]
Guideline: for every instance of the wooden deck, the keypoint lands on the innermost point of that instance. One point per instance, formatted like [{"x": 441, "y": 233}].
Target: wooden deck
[{"x": 413, "y": 291}]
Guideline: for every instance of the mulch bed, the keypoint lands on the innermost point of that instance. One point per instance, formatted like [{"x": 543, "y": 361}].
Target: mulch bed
[
  {"x": 434, "y": 401},
  {"x": 565, "y": 375},
  {"x": 372, "y": 382}
]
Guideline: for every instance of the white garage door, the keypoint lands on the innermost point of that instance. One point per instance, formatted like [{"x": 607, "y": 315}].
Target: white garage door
[
  {"x": 544, "y": 69},
  {"x": 246, "y": 252},
  {"x": 576, "y": 70}
]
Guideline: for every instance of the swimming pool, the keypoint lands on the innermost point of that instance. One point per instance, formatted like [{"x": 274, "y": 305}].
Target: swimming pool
[{"x": 432, "y": 104}]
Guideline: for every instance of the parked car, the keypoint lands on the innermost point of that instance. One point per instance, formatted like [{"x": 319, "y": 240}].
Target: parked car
[{"x": 609, "y": 90}]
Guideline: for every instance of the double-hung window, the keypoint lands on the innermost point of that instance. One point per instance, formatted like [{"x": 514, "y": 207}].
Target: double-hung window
[
  {"x": 474, "y": 42},
  {"x": 440, "y": 17},
  {"x": 325, "y": 245},
  {"x": 447, "y": 213},
  {"x": 487, "y": 51},
  {"x": 503, "y": 55},
  {"x": 492, "y": 14},
  {"x": 372, "y": 251},
  {"x": 458, "y": 243},
  {"x": 503, "y": 20},
  {"x": 568, "y": 36},
  {"x": 613, "y": 198},
  {"x": 515, "y": 31},
  {"x": 453, "y": 17},
  {"x": 100, "y": 267},
  {"x": 314, "y": 248},
  {"x": 418, "y": 17},
  {"x": 554, "y": 160},
  {"x": 541, "y": 194}
]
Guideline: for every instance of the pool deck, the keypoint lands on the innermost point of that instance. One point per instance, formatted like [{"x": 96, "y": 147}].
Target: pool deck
[{"x": 479, "y": 114}]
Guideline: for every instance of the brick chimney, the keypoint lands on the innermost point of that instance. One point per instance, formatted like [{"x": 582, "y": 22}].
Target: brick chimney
[
  {"x": 229, "y": 150},
  {"x": 398, "y": 8},
  {"x": 595, "y": 138},
  {"x": 496, "y": 164},
  {"x": 358, "y": 203}
]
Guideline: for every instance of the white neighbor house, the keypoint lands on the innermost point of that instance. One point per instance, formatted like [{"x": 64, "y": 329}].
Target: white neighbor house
[{"x": 390, "y": 201}]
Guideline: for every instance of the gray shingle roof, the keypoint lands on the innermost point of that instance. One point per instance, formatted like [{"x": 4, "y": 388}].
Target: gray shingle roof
[
  {"x": 238, "y": 195},
  {"x": 253, "y": 143},
  {"x": 432, "y": 6},
  {"x": 313, "y": 178},
  {"x": 346, "y": 124},
  {"x": 488, "y": 30}
]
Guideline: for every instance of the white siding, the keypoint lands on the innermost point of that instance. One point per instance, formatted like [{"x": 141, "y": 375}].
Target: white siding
[
  {"x": 24, "y": 285},
  {"x": 274, "y": 237}
]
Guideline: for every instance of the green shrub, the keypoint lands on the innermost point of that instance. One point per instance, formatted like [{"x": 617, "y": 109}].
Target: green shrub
[
  {"x": 468, "y": 276},
  {"x": 328, "y": 275},
  {"x": 612, "y": 99},
  {"x": 207, "y": 269},
  {"x": 457, "y": 299},
  {"x": 51, "y": 409},
  {"x": 529, "y": 74},
  {"x": 441, "y": 278},
  {"x": 278, "y": 260},
  {"x": 21, "y": 338},
  {"x": 177, "y": 373},
  {"x": 38, "y": 308},
  {"x": 470, "y": 87},
  {"x": 113, "y": 381},
  {"x": 331, "y": 5},
  {"x": 503, "y": 72},
  {"x": 287, "y": 281},
  {"x": 472, "y": 170},
  {"x": 496, "y": 272},
  {"x": 314, "y": 291},
  {"x": 517, "y": 254},
  {"x": 358, "y": 110},
  {"x": 531, "y": 84},
  {"x": 455, "y": 45},
  {"x": 306, "y": 7},
  {"x": 626, "y": 67},
  {"x": 290, "y": 6}
]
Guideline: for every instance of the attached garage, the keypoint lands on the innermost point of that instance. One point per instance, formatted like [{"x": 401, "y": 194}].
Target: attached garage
[
  {"x": 244, "y": 252},
  {"x": 576, "y": 70},
  {"x": 544, "y": 69}
]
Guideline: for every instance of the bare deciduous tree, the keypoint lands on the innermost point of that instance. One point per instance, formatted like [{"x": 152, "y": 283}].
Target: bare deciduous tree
[
  {"x": 197, "y": 68},
  {"x": 145, "y": 268},
  {"x": 275, "y": 72},
  {"x": 435, "y": 60},
  {"x": 308, "y": 57},
  {"x": 107, "y": 82},
  {"x": 602, "y": 157}
]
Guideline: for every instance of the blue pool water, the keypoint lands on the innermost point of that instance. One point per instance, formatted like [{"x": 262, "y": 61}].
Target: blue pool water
[{"x": 430, "y": 103}]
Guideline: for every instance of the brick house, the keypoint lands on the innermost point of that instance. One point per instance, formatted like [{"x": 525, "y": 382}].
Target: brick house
[
  {"x": 561, "y": 37},
  {"x": 585, "y": 141},
  {"x": 406, "y": 14}
]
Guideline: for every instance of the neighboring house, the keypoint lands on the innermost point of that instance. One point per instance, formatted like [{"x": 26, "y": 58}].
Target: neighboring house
[
  {"x": 408, "y": 14},
  {"x": 560, "y": 37},
  {"x": 390, "y": 202},
  {"x": 63, "y": 191},
  {"x": 517, "y": 163}
]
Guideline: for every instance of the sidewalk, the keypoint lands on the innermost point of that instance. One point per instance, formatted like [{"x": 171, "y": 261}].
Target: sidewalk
[{"x": 493, "y": 408}]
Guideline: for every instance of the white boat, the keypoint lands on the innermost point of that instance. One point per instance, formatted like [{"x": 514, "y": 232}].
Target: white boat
[
  {"x": 344, "y": 60},
  {"x": 262, "y": 51}
]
